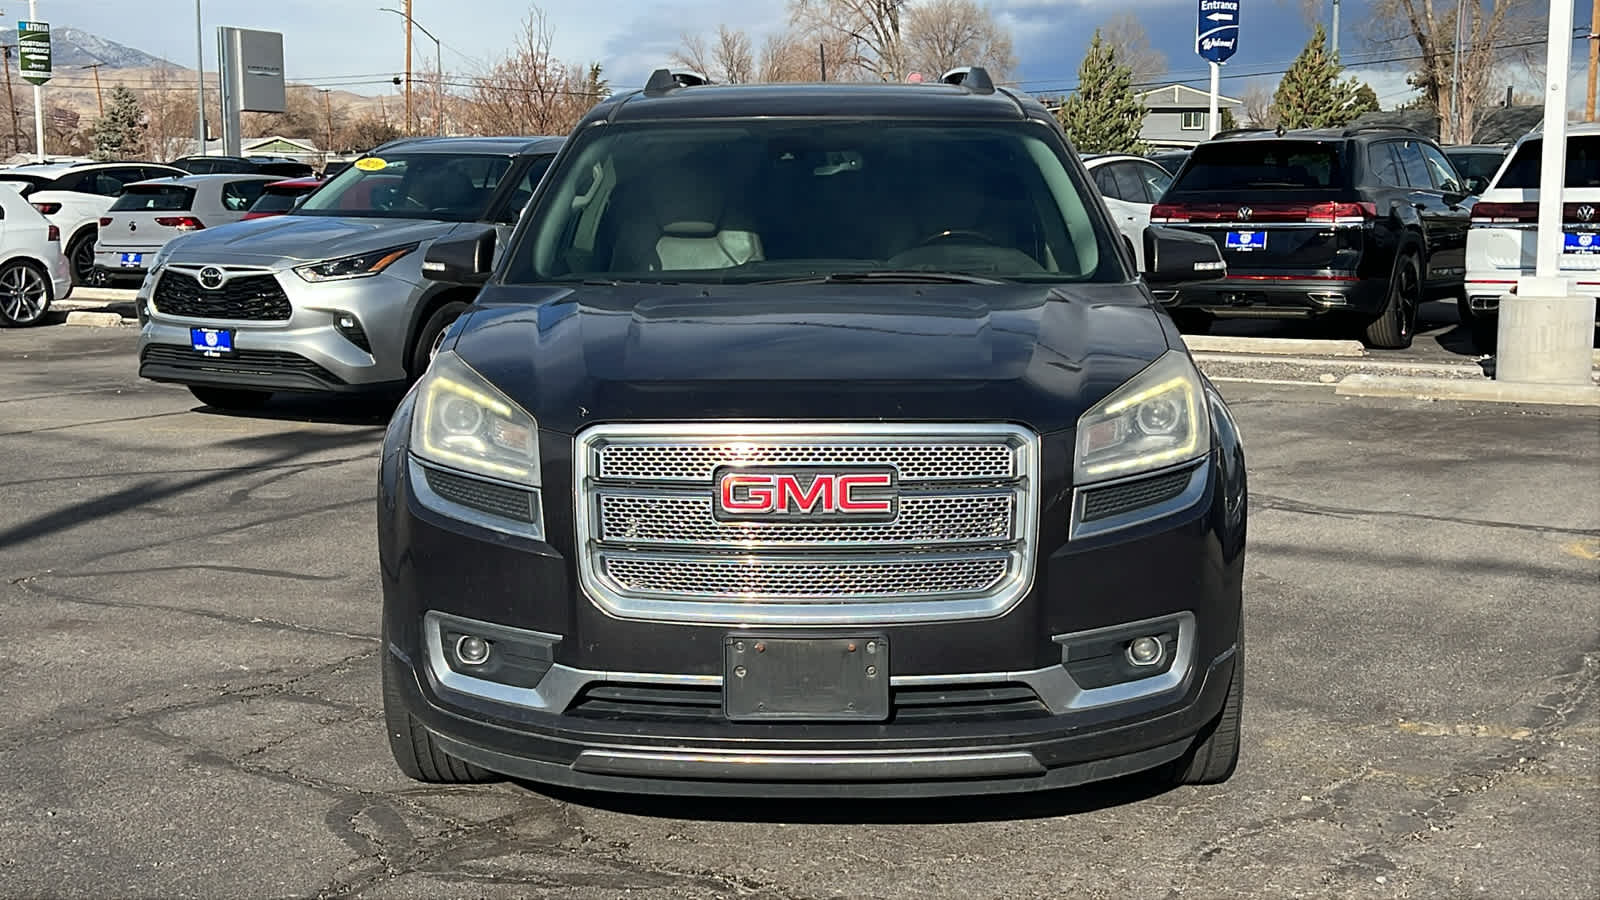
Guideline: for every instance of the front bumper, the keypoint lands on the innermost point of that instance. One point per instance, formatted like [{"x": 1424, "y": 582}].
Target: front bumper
[
  {"x": 340, "y": 337},
  {"x": 437, "y": 569},
  {"x": 1262, "y": 296}
]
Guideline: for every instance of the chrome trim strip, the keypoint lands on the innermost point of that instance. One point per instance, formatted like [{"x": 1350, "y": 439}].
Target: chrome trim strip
[
  {"x": 425, "y": 495},
  {"x": 792, "y": 766},
  {"x": 1000, "y": 599},
  {"x": 1192, "y": 492},
  {"x": 1055, "y": 687}
]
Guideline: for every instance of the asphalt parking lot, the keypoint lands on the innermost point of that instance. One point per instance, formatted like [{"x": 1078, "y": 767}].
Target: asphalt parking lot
[{"x": 189, "y": 605}]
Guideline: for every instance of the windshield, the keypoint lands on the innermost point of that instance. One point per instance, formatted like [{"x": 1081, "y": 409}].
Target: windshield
[
  {"x": 1583, "y": 164},
  {"x": 1475, "y": 163},
  {"x": 1247, "y": 165},
  {"x": 276, "y": 200},
  {"x": 411, "y": 186},
  {"x": 769, "y": 200}
]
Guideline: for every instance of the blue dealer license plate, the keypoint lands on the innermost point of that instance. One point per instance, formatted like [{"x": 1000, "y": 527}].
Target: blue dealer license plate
[
  {"x": 1581, "y": 242},
  {"x": 131, "y": 260},
  {"x": 211, "y": 341},
  {"x": 1245, "y": 241}
]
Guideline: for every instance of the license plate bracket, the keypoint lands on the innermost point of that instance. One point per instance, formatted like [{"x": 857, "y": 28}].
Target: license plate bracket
[
  {"x": 212, "y": 341},
  {"x": 816, "y": 679},
  {"x": 1581, "y": 243},
  {"x": 131, "y": 260},
  {"x": 1246, "y": 241}
]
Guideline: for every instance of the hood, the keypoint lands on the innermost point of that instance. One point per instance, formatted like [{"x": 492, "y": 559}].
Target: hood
[
  {"x": 1035, "y": 355},
  {"x": 297, "y": 239}
]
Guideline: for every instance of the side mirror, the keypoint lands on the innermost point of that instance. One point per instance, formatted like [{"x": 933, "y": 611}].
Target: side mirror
[
  {"x": 299, "y": 201},
  {"x": 461, "y": 260},
  {"x": 1477, "y": 184},
  {"x": 1172, "y": 256}
]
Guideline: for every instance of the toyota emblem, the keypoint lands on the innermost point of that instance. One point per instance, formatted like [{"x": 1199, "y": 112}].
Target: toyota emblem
[
  {"x": 1585, "y": 213},
  {"x": 1245, "y": 213},
  {"x": 211, "y": 278}
]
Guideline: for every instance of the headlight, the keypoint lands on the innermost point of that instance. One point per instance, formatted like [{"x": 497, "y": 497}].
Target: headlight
[
  {"x": 362, "y": 265},
  {"x": 1158, "y": 419},
  {"x": 463, "y": 422}
]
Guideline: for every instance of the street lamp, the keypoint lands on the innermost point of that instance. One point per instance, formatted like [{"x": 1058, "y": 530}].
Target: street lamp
[{"x": 438, "y": 62}]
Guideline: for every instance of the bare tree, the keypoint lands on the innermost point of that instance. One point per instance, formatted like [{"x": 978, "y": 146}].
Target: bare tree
[
  {"x": 1126, "y": 33},
  {"x": 530, "y": 90},
  {"x": 873, "y": 28},
  {"x": 940, "y": 35},
  {"x": 168, "y": 101},
  {"x": 1496, "y": 34},
  {"x": 729, "y": 59},
  {"x": 1258, "y": 108}
]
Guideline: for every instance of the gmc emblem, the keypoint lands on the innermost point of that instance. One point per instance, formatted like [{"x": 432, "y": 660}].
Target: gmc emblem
[{"x": 799, "y": 494}]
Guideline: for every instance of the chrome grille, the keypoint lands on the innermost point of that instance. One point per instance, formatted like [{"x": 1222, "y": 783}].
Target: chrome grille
[
  {"x": 805, "y": 579},
  {"x": 640, "y": 518},
  {"x": 960, "y": 545}
]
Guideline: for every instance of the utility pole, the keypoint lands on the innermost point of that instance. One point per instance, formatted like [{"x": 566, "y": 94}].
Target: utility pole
[
  {"x": 1455, "y": 79},
  {"x": 11, "y": 105},
  {"x": 327, "y": 114},
  {"x": 822, "y": 58},
  {"x": 199, "y": 84},
  {"x": 407, "y": 15},
  {"x": 1594, "y": 59},
  {"x": 101, "y": 101}
]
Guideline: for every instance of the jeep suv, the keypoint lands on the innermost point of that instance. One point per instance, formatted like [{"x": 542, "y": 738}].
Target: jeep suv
[
  {"x": 1363, "y": 224},
  {"x": 330, "y": 298},
  {"x": 814, "y": 440}
]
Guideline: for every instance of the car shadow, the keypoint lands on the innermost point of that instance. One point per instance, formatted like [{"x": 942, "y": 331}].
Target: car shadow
[
  {"x": 366, "y": 410},
  {"x": 848, "y": 810}
]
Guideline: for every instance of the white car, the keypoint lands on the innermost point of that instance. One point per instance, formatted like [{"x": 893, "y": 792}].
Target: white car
[
  {"x": 1501, "y": 243},
  {"x": 33, "y": 271},
  {"x": 73, "y": 197},
  {"x": 1130, "y": 186},
  {"x": 150, "y": 213}
]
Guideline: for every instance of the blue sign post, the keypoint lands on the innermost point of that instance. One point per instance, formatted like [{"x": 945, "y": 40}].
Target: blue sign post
[{"x": 1216, "y": 39}]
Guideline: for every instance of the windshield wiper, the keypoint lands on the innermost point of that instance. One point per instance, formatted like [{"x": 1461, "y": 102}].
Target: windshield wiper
[{"x": 890, "y": 276}]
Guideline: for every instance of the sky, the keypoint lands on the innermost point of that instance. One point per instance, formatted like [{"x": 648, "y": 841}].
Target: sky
[{"x": 352, "y": 45}]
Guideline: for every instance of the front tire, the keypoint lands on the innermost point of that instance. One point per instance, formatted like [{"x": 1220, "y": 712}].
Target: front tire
[
  {"x": 412, "y": 746},
  {"x": 1394, "y": 327},
  {"x": 229, "y": 398},
  {"x": 1215, "y": 754},
  {"x": 429, "y": 335},
  {"x": 25, "y": 293}
]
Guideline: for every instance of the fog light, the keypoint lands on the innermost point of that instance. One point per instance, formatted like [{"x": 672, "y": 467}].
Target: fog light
[
  {"x": 1145, "y": 651},
  {"x": 472, "y": 650}
]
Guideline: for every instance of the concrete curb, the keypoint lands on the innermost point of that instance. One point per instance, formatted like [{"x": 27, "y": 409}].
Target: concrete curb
[
  {"x": 95, "y": 319},
  {"x": 84, "y": 296},
  {"x": 1205, "y": 343},
  {"x": 1475, "y": 391}
]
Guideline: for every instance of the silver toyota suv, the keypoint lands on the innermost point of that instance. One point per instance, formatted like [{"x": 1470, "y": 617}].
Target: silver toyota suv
[{"x": 330, "y": 297}]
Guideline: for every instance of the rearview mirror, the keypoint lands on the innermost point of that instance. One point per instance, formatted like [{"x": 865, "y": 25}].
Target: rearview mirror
[
  {"x": 462, "y": 260},
  {"x": 1172, "y": 256}
]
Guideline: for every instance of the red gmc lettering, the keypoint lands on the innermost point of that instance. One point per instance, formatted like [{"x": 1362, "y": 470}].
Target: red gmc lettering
[
  {"x": 748, "y": 492},
  {"x": 846, "y": 490}
]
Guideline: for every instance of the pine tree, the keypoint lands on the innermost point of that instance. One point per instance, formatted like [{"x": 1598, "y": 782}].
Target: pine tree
[
  {"x": 1226, "y": 120},
  {"x": 1104, "y": 114},
  {"x": 1310, "y": 95},
  {"x": 119, "y": 134}
]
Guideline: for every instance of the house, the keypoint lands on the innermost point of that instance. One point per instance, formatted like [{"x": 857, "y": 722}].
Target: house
[
  {"x": 1176, "y": 115},
  {"x": 271, "y": 145}
]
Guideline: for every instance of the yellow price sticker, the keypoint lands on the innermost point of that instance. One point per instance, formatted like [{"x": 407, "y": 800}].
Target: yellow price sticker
[{"x": 371, "y": 164}]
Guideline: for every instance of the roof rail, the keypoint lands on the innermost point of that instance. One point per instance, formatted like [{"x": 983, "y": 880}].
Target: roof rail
[
  {"x": 1235, "y": 132},
  {"x": 1368, "y": 129},
  {"x": 664, "y": 80},
  {"x": 975, "y": 78}
]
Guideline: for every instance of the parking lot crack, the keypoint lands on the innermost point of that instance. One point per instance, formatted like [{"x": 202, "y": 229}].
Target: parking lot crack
[{"x": 1285, "y": 504}]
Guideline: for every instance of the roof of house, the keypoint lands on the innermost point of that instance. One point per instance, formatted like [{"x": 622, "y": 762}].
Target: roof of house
[
  {"x": 1181, "y": 95},
  {"x": 1499, "y": 125}
]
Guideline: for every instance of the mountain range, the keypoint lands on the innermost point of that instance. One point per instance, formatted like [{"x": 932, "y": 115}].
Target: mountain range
[{"x": 73, "y": 47}]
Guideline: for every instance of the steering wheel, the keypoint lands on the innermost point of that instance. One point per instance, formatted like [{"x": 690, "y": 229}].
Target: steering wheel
[{"x": 958, "y": 235}]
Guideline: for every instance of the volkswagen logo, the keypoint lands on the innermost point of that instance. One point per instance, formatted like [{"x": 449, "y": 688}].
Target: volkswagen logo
[
  {"x": 211, "y": 278},
  {"x": 133, "y": 226},
  {"x": 1245, "y": 213},
  {"x": 1585, "y": 213}
]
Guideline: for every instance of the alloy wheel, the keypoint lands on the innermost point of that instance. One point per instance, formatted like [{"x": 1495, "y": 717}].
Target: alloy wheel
[
  {"x": 83, "y": 262},
  {"x": 24, "y": 296}
]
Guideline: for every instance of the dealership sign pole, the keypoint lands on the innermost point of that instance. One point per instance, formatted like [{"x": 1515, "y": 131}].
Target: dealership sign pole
[
  {"x": 1216, "y": 38},
  {"x": 33, "y": 59},
  {"x": 1547, "y": 327}
]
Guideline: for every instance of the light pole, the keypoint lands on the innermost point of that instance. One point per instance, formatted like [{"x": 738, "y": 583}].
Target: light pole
[
  {"x": 438, "y": 64},
  {"x": 199, "y": 84}
]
